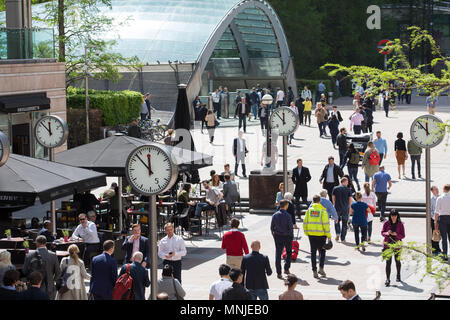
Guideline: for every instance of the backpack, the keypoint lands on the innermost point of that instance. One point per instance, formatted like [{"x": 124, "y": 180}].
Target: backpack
[
  {"x": 37, "y": 263},
  {"x": 123, "y": 290},
  {"x": 354, "y": 158},
  {"x": 374, "y": 158}
]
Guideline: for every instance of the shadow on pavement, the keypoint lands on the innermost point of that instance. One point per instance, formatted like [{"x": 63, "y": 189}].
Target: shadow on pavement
[
  {"x": 197, "y": 256},
  {"x": 329, "y": 281},
  {"x": 407, "y": 287}
]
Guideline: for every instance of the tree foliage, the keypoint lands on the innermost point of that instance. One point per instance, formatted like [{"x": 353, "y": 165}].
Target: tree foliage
[{"x": 83, "y": 28}]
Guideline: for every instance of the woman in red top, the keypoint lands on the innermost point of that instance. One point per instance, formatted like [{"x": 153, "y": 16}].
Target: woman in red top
[{"x": 235, "y": 244}]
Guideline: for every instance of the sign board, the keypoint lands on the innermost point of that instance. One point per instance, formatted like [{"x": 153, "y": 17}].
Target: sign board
[{"x": 381, "y": 46}]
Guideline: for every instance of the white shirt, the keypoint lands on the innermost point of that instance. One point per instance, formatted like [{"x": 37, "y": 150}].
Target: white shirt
[
  {"x": 175, "y": 244},
  {"x": 218, "y": 287},
  {"x": 443, "y": 205},
  {"x": 241, "y": 145},
  {"x": 433, "y": 205},
  {"x": 88, "y": 234},
  {"x": 216, "y": 97},
  {"x": 280, "y": 95},
  {"x": 370, "y": 200}
]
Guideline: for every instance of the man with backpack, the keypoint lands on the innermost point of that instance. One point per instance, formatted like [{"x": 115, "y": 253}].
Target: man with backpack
[
  {"x": 44, "y": 262},
  {"x": 139, "y": 279},
  {"x": 371, "y": 161},
  {"x": 104, "y": 273}
]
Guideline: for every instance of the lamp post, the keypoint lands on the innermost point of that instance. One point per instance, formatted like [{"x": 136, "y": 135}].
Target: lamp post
[
  {"x": 86, "y": 82},
  {"x": 267, "y": 100}
]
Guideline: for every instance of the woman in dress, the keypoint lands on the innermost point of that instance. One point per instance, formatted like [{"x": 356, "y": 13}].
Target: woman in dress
[
  {"x": 400, "y": 153},
  {"x": 74, "y": 267},
  {"x": 210, "y": 124},
  {"x": 393, "y": 231}
]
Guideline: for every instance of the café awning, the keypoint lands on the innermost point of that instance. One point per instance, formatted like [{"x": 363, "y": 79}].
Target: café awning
[
  {"x": 22, "y": 179},
  {"x": 24, "y": 102},
  {"x": 110, "y": 155}
]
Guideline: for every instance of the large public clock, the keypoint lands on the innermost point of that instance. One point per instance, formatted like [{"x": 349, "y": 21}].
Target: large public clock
[
  {"x": 51, "y": 131},
  {"x": 4, "y": 148},
  {"x": 151, "y": 170},
  {"x": 425, "y": 131},
  {"x": 285, "y": 120}
]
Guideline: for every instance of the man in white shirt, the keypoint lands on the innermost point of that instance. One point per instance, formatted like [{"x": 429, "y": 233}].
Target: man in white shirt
[
  {"x": 216, "y": 289},
  {"x": 171, "y": 248},
  {"x": 280, "y": 98},
  {"x": 87, "y": 231},
  {"x": 434, "y": 196},
  {"x": 442, "y": 218},
  {"x": 216, "y": 102},
  {"x": 240, "y": 152}
]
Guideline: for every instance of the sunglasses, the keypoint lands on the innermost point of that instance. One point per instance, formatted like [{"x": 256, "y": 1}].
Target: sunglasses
[{"x": 81, "y": 219}]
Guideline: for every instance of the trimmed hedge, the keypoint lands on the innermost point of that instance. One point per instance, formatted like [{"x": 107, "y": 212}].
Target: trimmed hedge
[{"x": 118, "y": 107}]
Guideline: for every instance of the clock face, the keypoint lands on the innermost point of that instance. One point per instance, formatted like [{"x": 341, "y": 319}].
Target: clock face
[
  {"x": 425, "y": 131},
  {"x": 150, "y": 170},
  {"x": 284, "y": 120},
  {"x": 4, "y": 148},
  {"x": 51, "y": 131}
]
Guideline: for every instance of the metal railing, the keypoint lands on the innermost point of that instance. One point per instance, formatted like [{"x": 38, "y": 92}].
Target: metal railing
[{"x": 27, "y": 43}]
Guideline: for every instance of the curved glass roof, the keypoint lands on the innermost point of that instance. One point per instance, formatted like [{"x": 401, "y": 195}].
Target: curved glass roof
[{"x": 166, "y": 30}]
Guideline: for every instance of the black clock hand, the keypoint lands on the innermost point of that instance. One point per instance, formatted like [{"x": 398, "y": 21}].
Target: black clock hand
[
  {"x": 280, "y": 117},
  {"x": 149, "y": 157},
  {"x": 423, "y": 127},
  {"x": 45, "y": 127},
  {"x": 142, "y": 162}
]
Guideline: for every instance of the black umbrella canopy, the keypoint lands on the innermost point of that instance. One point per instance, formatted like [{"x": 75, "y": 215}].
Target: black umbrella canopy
[
  {"x": 110, "y": 155},
  {"x": 22, "y": 179},
  {"x": 182, "y": 115}
]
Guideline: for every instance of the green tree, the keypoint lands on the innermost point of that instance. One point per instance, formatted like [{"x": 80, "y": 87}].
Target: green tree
[{"x": 81, "y": 25}]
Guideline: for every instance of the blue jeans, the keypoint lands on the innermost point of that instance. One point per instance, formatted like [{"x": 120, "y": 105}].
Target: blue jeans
[
  {"x": 202, "y": 206},
  {"x": 343, "y": 218},
  {"x": 353, "y": 173},
  {"x": 259, "y": 293},
  {"x": 369, "y": 229},
  {"x": 342, "y": 153},
  {"x": 367, "y": 178},
  {"x": 282, "y": 242},
  {"x": 255, "y": 110}
]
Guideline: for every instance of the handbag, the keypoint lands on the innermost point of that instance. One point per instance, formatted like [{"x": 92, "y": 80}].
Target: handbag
[
  {"x": 436, "y": 235},
  {"x": 216, "y": 123},
  {"x": 176, "y": 292},
  {"x": 61, "y": 284}
]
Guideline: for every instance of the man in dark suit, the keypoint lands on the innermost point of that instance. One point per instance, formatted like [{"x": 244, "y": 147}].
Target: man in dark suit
[
  {"x": 243, "y": 110},
  {"x": 330, "y": 176},
  {"x": 300, "y": 178},
  {"x": 240, "y": 152},
  {"x": 348, "y": 290},
  {"x": 237, "y": 290},
  {"x": 139, "y": 275},
  {"x": 255, "y": 267},
  {"x": 49, "y": 265},
  {"x": 47, "y": 231},
  {"x": 135, "y": 243},
  {"x": 34, "y": 292},
  {"x": 104, "y": 273},
  {"x": 8, "y": 290}
]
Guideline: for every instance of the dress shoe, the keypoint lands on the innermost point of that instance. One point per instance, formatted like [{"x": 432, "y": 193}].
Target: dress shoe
[
  {"x": 337, "y": 238},
  {"x": 387, "y": 283},
  {"x": 315, "y": 275},
  {"x": 280, "y": 277},
  {"x": 286, "y": 272},
  {"x": 322, "y": 272}
]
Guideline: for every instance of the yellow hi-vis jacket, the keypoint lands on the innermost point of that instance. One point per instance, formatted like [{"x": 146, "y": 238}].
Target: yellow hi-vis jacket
[{"x": 316, "y": 221}]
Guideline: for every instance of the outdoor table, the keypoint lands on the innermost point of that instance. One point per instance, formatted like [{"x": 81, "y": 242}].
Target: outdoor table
[
  {"x": 63, "y": 246},
  {"x": 197, "y": 198},
  {"x": 66, "y": 213},
  {"x": 11, "y": 243}
]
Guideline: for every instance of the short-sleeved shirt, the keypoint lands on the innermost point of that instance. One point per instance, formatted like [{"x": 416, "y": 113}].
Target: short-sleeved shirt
[
  {"x": 342, "y": 194},
  {"x": 144, "y": 108},
  {"x": 218, "y": 287},
  {"x": 359, "y": 213},
  {"x": 381, "y": 179},
  {"x": 443, "y": 205}
]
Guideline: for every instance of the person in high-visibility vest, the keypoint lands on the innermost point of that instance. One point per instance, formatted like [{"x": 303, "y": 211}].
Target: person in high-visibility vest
[{"x": 317, "y": 227}]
